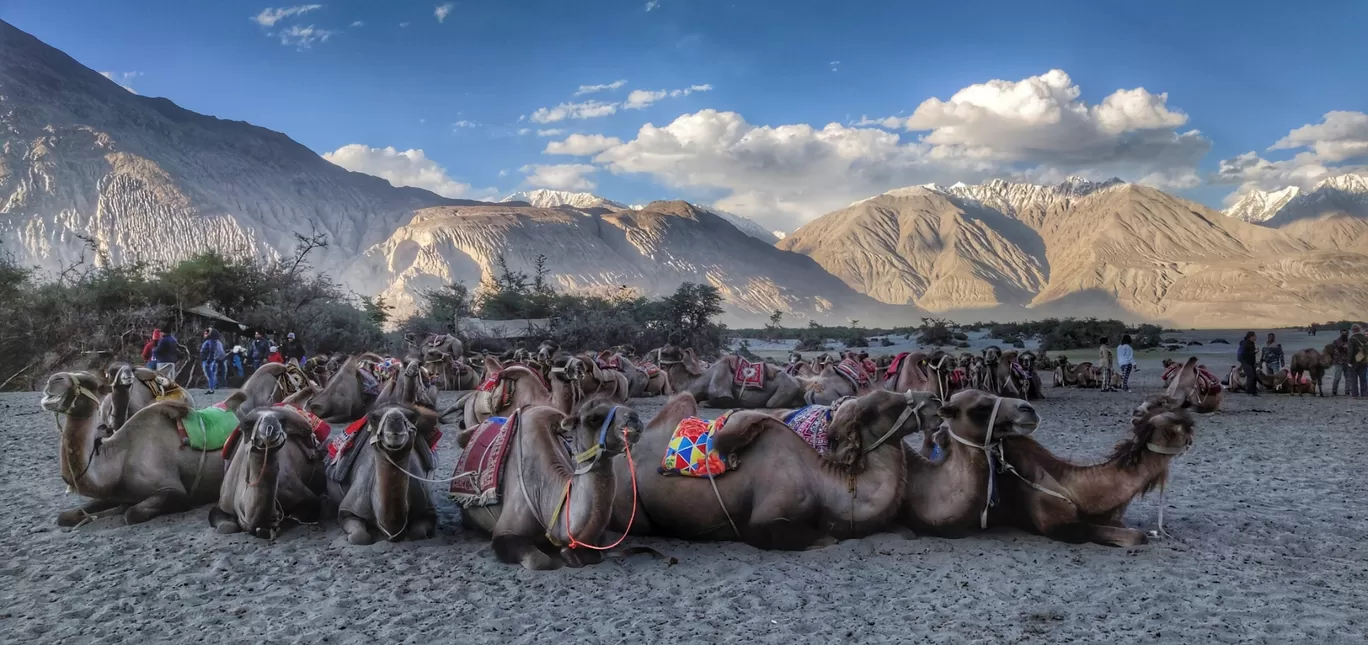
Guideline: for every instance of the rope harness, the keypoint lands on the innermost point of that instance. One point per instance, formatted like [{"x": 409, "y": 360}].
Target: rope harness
[{"x": 68, "y": 405}]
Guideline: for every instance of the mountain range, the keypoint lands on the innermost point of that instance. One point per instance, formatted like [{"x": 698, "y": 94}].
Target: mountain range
[{"x": 90, "y": 171}]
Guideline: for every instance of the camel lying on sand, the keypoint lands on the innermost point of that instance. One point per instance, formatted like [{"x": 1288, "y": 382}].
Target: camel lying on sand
[
  {"x": 275, "y": 473},
  {"x": 556, "y": 493},
  {"x": 380, "y": 490},
  {"x": 1202, "y": 391},
  {"x": 780, "y": 493},
  {"x": 143, "y": 465},
  {"x": 717, "y": 386},
  {"x": 1050, "y": 496},
  {"x": 134, "y": 388}
]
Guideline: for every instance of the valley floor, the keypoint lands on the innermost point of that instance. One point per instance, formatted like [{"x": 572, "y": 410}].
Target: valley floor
[{"x": 1267, "y": 512}]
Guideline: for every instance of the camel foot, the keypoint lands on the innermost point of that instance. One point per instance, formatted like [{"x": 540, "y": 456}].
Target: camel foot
[
  {"x": 422, "y": 529},
  {"x": 576, "y": 558},
  {"x": 264, "y": 532},
  {"x": 159, "y": 504},
  {"x": 356, "y": 531},
  {"x": 359, "y": 538},
  {"x": 84, "y": 514},
  {"x": 516, "y": 549},
  {"x": 227, "y": 528}
]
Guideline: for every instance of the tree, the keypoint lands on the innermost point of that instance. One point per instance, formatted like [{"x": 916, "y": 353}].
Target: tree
[
  {"x": 776, "y": 323},
  {"x": 376, "y": 309}
]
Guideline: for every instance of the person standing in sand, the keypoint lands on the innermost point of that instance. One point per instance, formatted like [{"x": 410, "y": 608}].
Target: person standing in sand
[
  {"x": 1248, "y": 357},
  {"x": 1272, "y": 356},
  {"x": 1358, "y": 362},
  {"x": 1125, "y": 360},
  {"x": 1339, "y": 363},
  {"x": 1106, "y": 360}
]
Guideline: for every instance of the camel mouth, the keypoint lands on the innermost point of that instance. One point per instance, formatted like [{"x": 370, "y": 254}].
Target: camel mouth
[{"x": 51, "y": 402}]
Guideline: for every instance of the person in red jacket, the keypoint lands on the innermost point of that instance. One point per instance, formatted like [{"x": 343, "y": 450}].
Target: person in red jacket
[
  {"x": 151, "y": 345},
  {"x": 275, "y": 356}
]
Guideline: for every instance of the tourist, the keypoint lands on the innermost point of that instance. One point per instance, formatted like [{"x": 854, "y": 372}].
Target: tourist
[
  {"x": 261, "y": 349},
  {"x": 1106, "y": 360},
  {"x": 149, "y": 348},
  {"x": 274, "y": 356},
  {"x": 211, "y": 355},
  {"x": 1248, "y": 357},
  {"x": 165, "y": 355},
  {"x": 1358, "y": 363},
  {"x": 293, "y": 349},
  {"x": 1339, "y": 363},
  {"x": 1125, "y": 360},
  {"x": 237, "y": 360},
  {"x": 1272, "y": 356}
]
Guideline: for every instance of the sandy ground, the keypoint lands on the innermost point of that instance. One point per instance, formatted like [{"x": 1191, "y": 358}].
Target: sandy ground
[{"x": 1267, "y": 510}]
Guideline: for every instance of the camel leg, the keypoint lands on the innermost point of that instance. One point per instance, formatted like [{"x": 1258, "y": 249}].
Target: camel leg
[
  {"x": 781, "y": 535},
  {"x": 576, "y": 558},
  {"x": 516, "y": 549},
  {"x": 222, "y": 522},
  {"x": 422, "y": 515},
  {"x": 1113, "y": 536},
  {"x": 90, "y": 509},
  {"x": 163, "y": 502},
  {"x": 355, "y": 528}
]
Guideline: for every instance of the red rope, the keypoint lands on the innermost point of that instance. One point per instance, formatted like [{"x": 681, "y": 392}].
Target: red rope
[{"x": 631, "y": 466}]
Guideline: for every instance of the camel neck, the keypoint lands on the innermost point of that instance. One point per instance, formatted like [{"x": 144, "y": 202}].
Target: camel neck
[
  {"x": 79, "y": 463},
  {"x": 391, "y": 495},
  {"x": 856, "y": 502},
  {"x": 1106, "y": 486}
]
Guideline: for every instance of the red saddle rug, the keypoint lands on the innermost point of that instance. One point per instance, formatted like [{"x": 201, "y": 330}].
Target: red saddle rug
[
  {"x": 853, "y": 372},
  {"x": 649, "y": 368},
  {"x": 1207, "y": 383},
  {"x": 749, "y": 375},
  {"x": 483, "y": 461},
  {"x": 811, "y": 424},
  {"x": 895, "y": 367}
]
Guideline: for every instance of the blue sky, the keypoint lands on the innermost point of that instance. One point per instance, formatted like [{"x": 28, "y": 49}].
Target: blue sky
[{"x": 755, "y": 85}]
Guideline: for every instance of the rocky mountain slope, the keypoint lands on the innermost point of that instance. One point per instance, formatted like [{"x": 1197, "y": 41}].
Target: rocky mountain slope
[
  {"x": 86, "y": 163},
  {"x": 1081, "y": 248},
  {"x": 1332, "y": 215}
]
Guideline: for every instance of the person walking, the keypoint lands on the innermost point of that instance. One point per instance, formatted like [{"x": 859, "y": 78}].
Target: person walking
[
  {"x": 1339, "y": 363},
  {"x": 293, "y": 349},
  {"x": 165, "y": 355},
  {"x": 1248, "y": 357},
  {"x": 236, "y": 361},
  {"x": 1106, "y": 360},
  {"x": 1272, "y": 356},
  {"x": 261, "y": 349},
  {"x": 149, "y": 348},
  {"x": 1125, "y": 360},
  {"x": 1358, "y": 363},
  {"x": 211, "y": 355}
]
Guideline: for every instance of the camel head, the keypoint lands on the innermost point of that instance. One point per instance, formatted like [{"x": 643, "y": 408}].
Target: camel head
[
  {"x": 992, "y": 355},
  {"x": 547, "y": 351},
  {"x": 265, "y": 428},
  {"x": 1152, "y": 405},
  {"x": 1028, "y": 361},
  {"x": 879, "y": 418},
  {"x": 601, "y": 424},
  {"x": 413, "y": 369},
  {"x": 119, "y": 374},
  {"x": 394, "y": 427},
  {"x": 1168, "y": 433},
  {"x": 568, "y": 369},
  {"x": 968, "y": 413},
  {"x": 75, "y": 394}
]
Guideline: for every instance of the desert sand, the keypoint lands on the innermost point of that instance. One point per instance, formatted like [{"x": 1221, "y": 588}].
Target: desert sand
[{"x": 1267, "y": 513}]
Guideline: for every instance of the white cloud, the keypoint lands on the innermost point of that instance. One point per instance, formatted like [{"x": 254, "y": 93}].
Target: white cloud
[
  {"x": 835, "y": 65},
  {"x": 550, "y": 132},
  {"x": 580, "y": 145},
  {"x": 590, "y": 89},
  {"x": 1340, "y": 137},
  {"x": 1036, "y": 128},
  {"x": 652, "y": 4},
  {"x": 442, "y": 12},
  {"x": 639, "y": 99},
  {"x": 889, "y": 122},
  {"x": 503, "y": 172},
  {"x": 270, "y": 16},
  {"x": 406, "y": 168},
  {"x": 522, "y": 131},
  {"x": 124, "y": 79},
  {"x": 464, "y": 124},
  {"x": 404, "y": 24},
  {"x": 585, "y": 110},
  {"x": 560, "y": 176},
  {"x": 303, "y": 37},
  {"x": 359, "y": 23}
]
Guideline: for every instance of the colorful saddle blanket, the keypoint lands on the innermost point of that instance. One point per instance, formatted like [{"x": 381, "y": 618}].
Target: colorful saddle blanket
[
  {"x": 482, "y": 462},
  {"x": 611, "y": 363},
  {"x": 320, "y": 429},
  {"x": 207, "y": 429},
  {"x": 749, "y": 375},
  {"x": 690, "y": 451},
  {"x": 854, "y": 372},
  {"x": 1020, "y": 371},
  {"x": 896, "y": 366},
  {"x": 649, "y": 368},
  {"x": 811, "y": 424}
]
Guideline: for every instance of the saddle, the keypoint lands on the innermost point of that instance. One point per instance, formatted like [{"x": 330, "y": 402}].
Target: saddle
[
  {"x": 163, "y": 388},
  {"x": 690, "y": 451},
  {"x": 649, "y": 368},
  {"x": 320, "y": 430},
  {"x": 811, "y": 424},
  {"x": 342, "y": 453},
  {"x": 749, "y": 375},
  {"x": 895, "y": 367},
  {"x": 854, "y": 372},
  {"x": 208, "y": 429},
  {"x": 482, "y": 462}
]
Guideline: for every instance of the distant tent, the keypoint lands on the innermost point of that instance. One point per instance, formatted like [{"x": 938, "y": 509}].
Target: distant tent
[{"x": 503, "y": 329}]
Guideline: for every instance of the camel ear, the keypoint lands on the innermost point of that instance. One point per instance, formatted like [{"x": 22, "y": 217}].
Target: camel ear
[
  {"x": 568, "y": 424},
  {"x": 946, "y": 411}
]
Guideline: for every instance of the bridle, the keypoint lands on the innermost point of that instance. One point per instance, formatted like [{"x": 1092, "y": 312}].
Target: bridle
[{"x": 74, "y": 394}]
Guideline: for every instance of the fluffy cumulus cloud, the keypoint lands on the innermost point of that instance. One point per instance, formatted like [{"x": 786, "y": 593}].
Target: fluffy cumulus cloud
[
  {"x": 401, "y": 168},
  {"x": 1032, "y": 129},
  {"x": 1336, "y": 145},
  {"x": 442, "y": 11},
  {"x": 560, "y": 176},
  {"x": 643, "y": 98},
  {"x": 590, "y": 89},
  {"x": 585, "y": 110},
  {"x": 581, "y": 145},
  {"x": 271, "y": 15},
  {"x": 124, "y": 79}
]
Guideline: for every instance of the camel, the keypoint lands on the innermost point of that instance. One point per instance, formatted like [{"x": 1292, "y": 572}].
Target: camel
[
  {"x": 836, "y": 382},
  {"x": 132, "y": 389},
  {"x": 1310, "y": 364},
  {"x": 350, "y": 393},
  {"x": 1196, "y": 387},
  {"x": 718, "y": 387},
  {"x": 652, "y": 381},
  {"x": 270, "y": 384},
  {"x": 780, "y": 493},
  {"x": 142, "y": 465},
  {"x": 1080, "y": 375},
  {"x": 682, "y": 368},
  {"x": 603, "y": 383},
  {"x": 913, "y": 374},
  {"x": 443, "y": 356},
  {"x": 557, "y": 491},
  {"x": 1049, "y": 496},
  {"x": 950, "y": 497},
  {"x": 1027, "y": 379},
  {"x": 991, "y": 377},
  {"x": 516, "y": 386},
  {"x": 410, "y": 386},
  {"x": 274, "y": 474},
  {"x": 382, "y": 487}
]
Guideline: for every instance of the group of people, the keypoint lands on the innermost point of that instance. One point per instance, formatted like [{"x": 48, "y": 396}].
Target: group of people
[
  {"x": 1348, "y": 361},
  {"x": 1121, "y": 361},
  {"x": 163, "y": 351}
]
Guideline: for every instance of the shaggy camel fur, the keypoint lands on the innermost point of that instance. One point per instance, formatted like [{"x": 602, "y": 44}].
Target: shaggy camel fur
[{"x": 275, "y": 473}]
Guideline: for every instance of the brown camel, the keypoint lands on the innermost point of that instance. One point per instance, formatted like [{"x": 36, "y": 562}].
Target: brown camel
[
  {"x": 836, "y": 382},
  {"x": 1052, "y": 497},
  {"x": 517, "y": 386},
  {"x": 1310, "y": 364},
  {"x": 681, "y": 366},
  {"x": 1198, "y": 388},
  {"x": 268, "y": 385},
  {"x": 914, "y": 374},
  {"x": 556, "y": 495},
  {"x": 350, "y": 393},
  {"x": 1081, "y": 375},
  {"x": 780, "y": 494},
  {"x": 717, "y": 387},
  {"x": 275, "y": 473},
  {"x": 950, "y": 497},
  {"x": 142, "y": 465},
  {"x": 644, "y": 379},
  {"x": 603, "y": 383},
  {"x": 382, "y": 488},
  {"x": 1026, "y": 377},
  {"x": 134, "y": 388}
]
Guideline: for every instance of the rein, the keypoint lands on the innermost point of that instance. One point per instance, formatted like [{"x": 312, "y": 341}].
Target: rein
[
  {"x": 589, "y": 458},
  {"x": 69, "y": 401}
]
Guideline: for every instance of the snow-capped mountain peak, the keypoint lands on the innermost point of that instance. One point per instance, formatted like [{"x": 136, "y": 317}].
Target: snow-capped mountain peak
[
  {"x": 1260, "y": 206},
  {"x": 544, "y": 198},
  {"x": 1348, "y": 192},
  {"x": 1009, "y": 197},
  {"x": 746, "y": 225}
]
